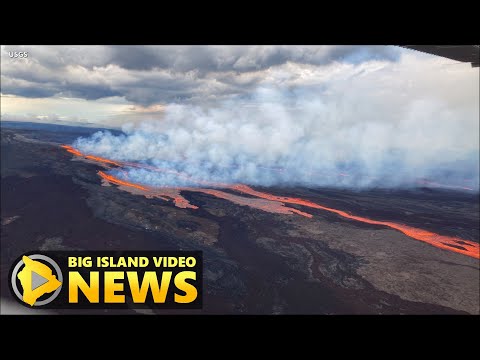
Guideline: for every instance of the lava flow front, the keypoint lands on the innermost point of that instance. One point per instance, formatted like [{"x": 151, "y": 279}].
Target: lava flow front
[{"x": 266, "y": 202}]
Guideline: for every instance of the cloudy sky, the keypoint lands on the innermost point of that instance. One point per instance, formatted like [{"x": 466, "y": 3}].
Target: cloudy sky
[
  {"x": 383, "y": 114},
  {"x": 112, "y": 85}
]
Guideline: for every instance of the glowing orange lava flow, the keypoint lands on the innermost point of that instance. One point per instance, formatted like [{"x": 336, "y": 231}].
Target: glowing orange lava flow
[
  {"x": 71, "y": 150},
  {"x": 268, "y": 206},
  {"x": 114, "y": 180},
  {"x": 90, "y": 157},
  {"x": 99, "y": 159},
  {"x": 454, "y": 244}
]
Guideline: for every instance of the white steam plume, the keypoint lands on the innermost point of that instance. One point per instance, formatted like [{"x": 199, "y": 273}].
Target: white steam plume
[{"x": 367, "y": 125}]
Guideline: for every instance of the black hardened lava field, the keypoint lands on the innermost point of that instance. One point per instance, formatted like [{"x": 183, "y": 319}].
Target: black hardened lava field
[{"x": 264, "y": 248}]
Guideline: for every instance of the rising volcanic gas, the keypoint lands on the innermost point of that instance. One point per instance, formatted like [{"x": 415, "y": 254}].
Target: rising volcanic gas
[
  {"x": 306, "y": 142},
  {"x": 338, "y": 136},
  {"x": 264, "y": 201}
]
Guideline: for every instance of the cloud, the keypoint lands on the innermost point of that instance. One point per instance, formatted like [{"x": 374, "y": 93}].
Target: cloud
[
  {"x": 47, "y": 118},
  {"x": 383, "y": 115},
  {"x": 161, "y": 74},
  {"x": 108, "y": 112},
  {"x": 240, "y": 58},
  {"x": 341, "y": 124}
]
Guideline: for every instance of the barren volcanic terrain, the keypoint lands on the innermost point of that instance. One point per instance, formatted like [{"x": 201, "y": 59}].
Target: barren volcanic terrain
[{"x": 266, "y": 250}]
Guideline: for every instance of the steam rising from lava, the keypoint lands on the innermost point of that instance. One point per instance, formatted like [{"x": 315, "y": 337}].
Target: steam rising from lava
[
  {"x": 263, "y": 201},
  {"x": 308, "y": 139}
]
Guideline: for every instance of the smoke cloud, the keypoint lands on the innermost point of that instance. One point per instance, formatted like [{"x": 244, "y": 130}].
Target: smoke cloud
[{"x": 376, "y": 124}]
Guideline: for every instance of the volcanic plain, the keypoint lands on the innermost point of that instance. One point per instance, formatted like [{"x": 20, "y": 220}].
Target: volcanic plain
[{"x": 255, "y": 261}]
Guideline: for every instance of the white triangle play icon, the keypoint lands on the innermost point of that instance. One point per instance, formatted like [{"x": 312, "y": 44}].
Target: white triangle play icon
[{"x": 37, "y": 280}]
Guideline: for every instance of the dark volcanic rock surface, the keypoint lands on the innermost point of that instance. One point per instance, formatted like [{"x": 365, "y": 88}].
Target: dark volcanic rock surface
[{"x": 255, "y": 262}]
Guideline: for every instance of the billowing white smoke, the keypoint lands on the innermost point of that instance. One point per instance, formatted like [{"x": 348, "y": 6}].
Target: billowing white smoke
[{"x": 361, "y": 127}]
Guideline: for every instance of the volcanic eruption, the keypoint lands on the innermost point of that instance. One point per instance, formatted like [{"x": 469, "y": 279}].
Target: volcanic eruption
[{"x": 259, "y": 200}]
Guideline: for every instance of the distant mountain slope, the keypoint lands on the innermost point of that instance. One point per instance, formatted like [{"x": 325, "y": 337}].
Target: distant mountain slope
[{"x": 53, "y": 132}]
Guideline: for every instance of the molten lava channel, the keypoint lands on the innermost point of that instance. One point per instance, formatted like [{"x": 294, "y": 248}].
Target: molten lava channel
[
  {"x": 114, "y": 180},
  {"x": 267, "y": 202}
]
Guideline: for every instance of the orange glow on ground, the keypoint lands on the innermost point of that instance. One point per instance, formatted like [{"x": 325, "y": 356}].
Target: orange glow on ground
[
  {"x": 268, "y": 206},
  {"x": 71, "y": 150},
  {"x": 117, "y": 181},
  {"x": 455, "y": 244},
  {"x": 89, "y": 157},
  {"x": 103, "y": 160},
  {"x": 168, "y": 194},
  {"x": 272, "y": 203}
]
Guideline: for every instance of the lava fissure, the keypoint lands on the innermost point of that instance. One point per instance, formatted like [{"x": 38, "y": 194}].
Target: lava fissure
[
  {"x": 114, "y": 180},
  {"x": 266, "y": 202}
]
